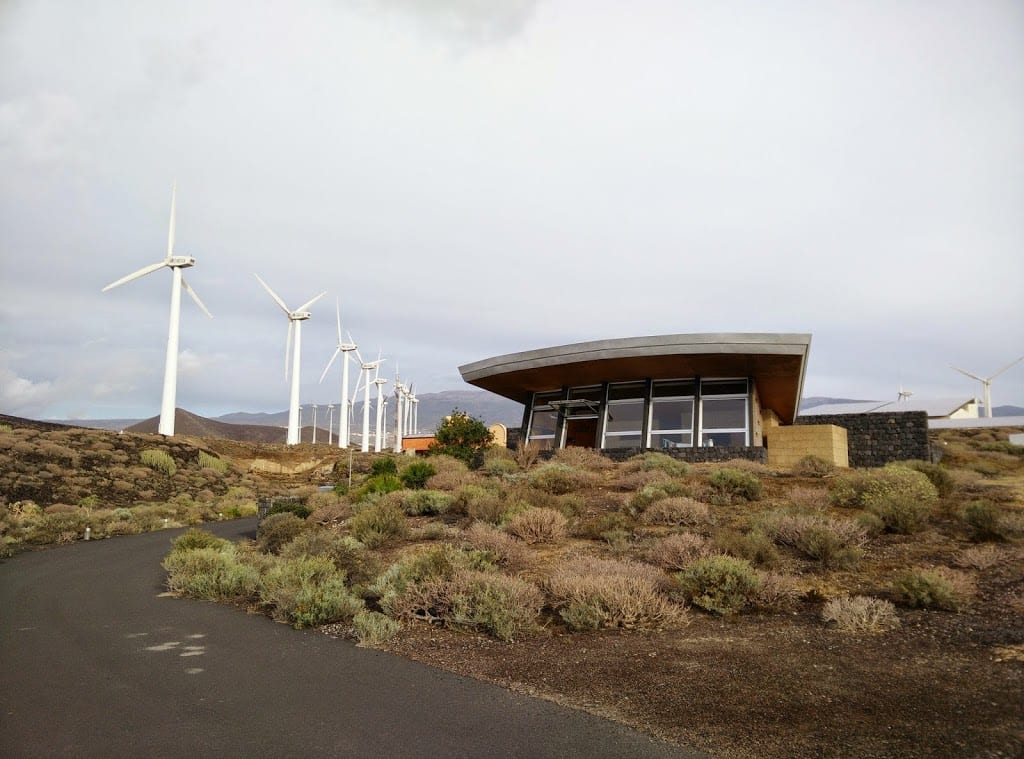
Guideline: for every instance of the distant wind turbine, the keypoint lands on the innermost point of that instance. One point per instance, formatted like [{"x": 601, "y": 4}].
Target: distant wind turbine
[
  {"x": 344, "y": 415},
  {"x": 330, "y": 422},
  {"x": 295, "y": 319},
  {"x": 365, "y": 367},
  {"x": 379, "y": 381},
  {"x": 175, "y": 264},
  {"x": 986, "y": 383}
]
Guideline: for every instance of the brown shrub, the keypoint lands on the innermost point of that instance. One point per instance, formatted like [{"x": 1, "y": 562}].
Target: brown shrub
[
  {"x": 861, "y": 614},
  {"x": 676, "y": 551},
  {"x": 808, "y": 499},
  {"x": 775, "y": 591},
  {"x": 538, "y": 526},
  {"x": 506, "y": 551},
  {"x": 592, "y": 593},
  {"x": 584, "y": 458},
  {"x": 678, "y": 511}
]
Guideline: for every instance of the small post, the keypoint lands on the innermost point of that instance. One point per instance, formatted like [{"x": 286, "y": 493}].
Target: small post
[
  {"x": 166, "y": 520},
  {"x": 88, "y": 533}
]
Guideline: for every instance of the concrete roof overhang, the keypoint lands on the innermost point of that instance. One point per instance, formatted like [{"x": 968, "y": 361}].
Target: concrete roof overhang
[{"x": 776, "y": 362}]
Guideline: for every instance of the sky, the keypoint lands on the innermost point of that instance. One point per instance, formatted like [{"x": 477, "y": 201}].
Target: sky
[{"x": 469, "y": 178}]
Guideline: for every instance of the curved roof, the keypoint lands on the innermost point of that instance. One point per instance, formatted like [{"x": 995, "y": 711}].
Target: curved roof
[{"x": 776, "y": 362}]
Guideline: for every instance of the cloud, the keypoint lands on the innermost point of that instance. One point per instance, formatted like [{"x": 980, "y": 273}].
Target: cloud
[
  {"x": 474, "y": 21},
  {"x": 23, "y": 397},
  {"x": 39, "y": 128}
]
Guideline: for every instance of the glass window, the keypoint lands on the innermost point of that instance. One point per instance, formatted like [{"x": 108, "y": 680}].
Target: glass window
[
  {"x": 623, "y": 441},
  {"x": 724, "y": 421},
  {"x": 626, "y": 390},
  {"x": 723, "y": 387},
  {"x": 672, "y": 414},
  {"x": 590, "y": 394},
  {"x": 543, "y": 419}
]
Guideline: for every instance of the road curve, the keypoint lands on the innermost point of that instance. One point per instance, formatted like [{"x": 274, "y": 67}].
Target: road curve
[{"x": 95, "y": 662}]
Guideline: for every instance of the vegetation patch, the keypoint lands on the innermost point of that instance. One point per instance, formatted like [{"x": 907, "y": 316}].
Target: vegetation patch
[
  {"x": 860, "y": 614},
  {"x": 719, "y": 584}
]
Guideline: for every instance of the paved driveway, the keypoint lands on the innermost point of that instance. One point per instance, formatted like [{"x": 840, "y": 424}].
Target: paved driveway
[{"x": 94, "y": 662}]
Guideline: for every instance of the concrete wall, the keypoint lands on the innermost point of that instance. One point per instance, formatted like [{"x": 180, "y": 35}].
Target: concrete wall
[
  {"x": 787, "y": 445},
  {"x": 877, "y": 439}
]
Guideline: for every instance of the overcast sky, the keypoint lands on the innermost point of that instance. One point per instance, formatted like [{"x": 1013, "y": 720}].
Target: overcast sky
[{"x": 478, "y": 177}]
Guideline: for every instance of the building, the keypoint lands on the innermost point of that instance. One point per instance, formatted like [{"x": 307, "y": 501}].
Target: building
[
  {"x": 686, "y": 393},
  {"x": 936, "y": 408}
]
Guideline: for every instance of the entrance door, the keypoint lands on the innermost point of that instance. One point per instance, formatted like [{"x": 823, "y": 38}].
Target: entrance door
[{"x": 581, "y": 433}]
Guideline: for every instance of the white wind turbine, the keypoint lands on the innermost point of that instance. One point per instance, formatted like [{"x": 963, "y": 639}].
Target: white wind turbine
[
  {"x": 379, "y": 381},
  {"x": 364, "y": 378},
  {"x": 344, "y": 415},
  {"x": 175, "y": 264},
  {"x": 314, "y": 424},
  {"x": 330, "y": 422},
  {"x": 399, "y": 411},
  {"x": 295, "y": 319},
  {"x": 986, "y": 383}
]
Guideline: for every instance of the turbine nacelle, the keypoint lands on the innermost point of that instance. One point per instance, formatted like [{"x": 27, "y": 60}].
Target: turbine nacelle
[
  {"x": 299, "y": 316},
  {"x": 180, "y": 262}
]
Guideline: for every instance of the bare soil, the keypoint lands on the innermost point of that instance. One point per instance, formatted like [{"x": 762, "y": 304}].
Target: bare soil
[{"x": 944, "y": 684}]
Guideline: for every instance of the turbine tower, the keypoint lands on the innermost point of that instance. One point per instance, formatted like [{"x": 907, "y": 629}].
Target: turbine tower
[
  {"x": 175, "y": 264},
  {"x": 330, "y": 423},
  {"x": 295, "y": 319},
  {"x": 986, "y": 383},
  {"x": 379, "y": 381},
  {"x": 344, "y": 349},
  {"x": 364, "y": 378},
  {"x": 399, "y": 408}
]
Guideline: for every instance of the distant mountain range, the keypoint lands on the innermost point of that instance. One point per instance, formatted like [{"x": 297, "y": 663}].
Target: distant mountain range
[{"x": 432, "y": 408}]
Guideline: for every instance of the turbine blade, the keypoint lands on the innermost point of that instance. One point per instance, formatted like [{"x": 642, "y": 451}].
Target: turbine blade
[
  {"x": 350, "y": 340},
  {"x": 274, "y": 295},
  {"x": 337, "y": 310},
  {"x": 190, "y": 291},
  {"x": 358, "y": 356},
  {"x": 135, "y": 275},
  {"x": 307, "y": 304},
  {"x": 330, "y": 363},
  {"x": 1008, "y": 366},
  {"x": 288, "y": 348},
  {"x": 972, "y": 376},
  {"x": 170, "y": 231}
]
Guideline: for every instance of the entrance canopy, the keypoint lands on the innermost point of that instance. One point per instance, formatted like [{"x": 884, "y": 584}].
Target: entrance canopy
[{"x": 774, "y": 362}]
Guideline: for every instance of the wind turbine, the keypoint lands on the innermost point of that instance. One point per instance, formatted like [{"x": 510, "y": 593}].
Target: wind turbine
[
  {"x": 295, "y": 319},
  {"x": 986, "y": 383},
  {"x": 330, "y": 422},
  {"x": 314, "y": 424},
  {"x": 399, "y": 411},
  {"x": 175, "y": 264},
  {"x": 364, "y": 378},
  {"x": 379, "y": 382},
  {"x": 343, "y": 410}
]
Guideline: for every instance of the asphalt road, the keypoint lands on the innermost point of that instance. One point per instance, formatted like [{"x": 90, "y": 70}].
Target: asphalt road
[{"x": 95, "y": 662}]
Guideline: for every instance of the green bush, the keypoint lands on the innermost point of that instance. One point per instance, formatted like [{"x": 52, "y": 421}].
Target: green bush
[
  {"x": 719, "y": 584},
  {"x": 383, "y": 465},
  {"x": 213, "y": 574},
  {"x": 373, "y": 628},
  {"x": 193, "y": 539},
  {"x": 299, "y": 509},
  {"x": 308, "y": 591},
  {"x": 345, "y": 552},
  {"x": 983, "y": 517},
  {"x": 378, "y": 523},
  {"x": 556, "y": 478},
  {"x": 940, "y": 477},
  {"x": 415, "y": 475},
  {"x": 462, "y": 437},
  {"x": 754, "y": 546},
  {"x": 832, "y": 542},
  {"x": 937, "y": 588},
  {"x": 426, "y": 502},
  {"x": 497, "y": 467},
  {"x": 159, "y": 460},
  {"x": 731, "y": 485},
  {"x": 597, "y": 527},
  {"x": 379, "y": 484},
  {"x": 277, "y": 530},
  {"x": 209, "y": 461}
]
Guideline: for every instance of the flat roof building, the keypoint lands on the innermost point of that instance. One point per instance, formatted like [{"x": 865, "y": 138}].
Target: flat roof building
[{"x": 656, "y": 392}]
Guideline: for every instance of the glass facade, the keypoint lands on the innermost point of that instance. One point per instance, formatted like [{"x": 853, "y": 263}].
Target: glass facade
[{"x": 660, "y": 414}]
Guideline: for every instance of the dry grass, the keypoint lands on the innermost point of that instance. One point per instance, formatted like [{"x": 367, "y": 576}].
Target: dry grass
[
  {"x": 538, "y": 526},
  {"x": 860, "y": 614}
]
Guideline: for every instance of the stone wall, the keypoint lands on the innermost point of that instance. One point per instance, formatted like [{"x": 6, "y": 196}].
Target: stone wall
[
  {"x": 697, "y": 455},
  {"x": 877, "y": 439}
]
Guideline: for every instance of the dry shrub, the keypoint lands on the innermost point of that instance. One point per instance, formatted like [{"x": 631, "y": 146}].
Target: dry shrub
[
  {"x": 526, "y": 454},
  {"x": 278, "y": 529},
  {"x": 678, "y": 550},
  {"x": 775, "y": 591},
  {"x": 808, "y": 499},
  {"x": 331, "y": 513},
  {"x": 211, "y": 573},
  {"x": 440, "y": 561},
  {"x": 479, "y": 502},
  {"x": 747, "y": 465},
  {"x": 504, "y": 607},
  {"x": 559, "y": 478},
  {"x": 934, "y": 588},
  {"x": 346, "y": 553},
  {"x": 860, "y": 614},
  {"x": 592, "y": 593},
  {"x": 450, "y": 480},
  {"x": 596, "y": 528},
  {"x": 813, "y": 466},
  {"x": 378, "y": 524},
  {"x": 631, "y": 481},
  {"x": 678, "y": 511},
  {"x": 731, "y": 485},
  {"x": 833, "y": 542},
  {"x": 444, "y": 464},
  {"x": 538, "y": 526},
  {"x": 980, "y": 557},
  {"x": 373, "y": 629},
  {"x": 308, "y": 591},
  {"x": 504, "y": 550},
  {"x": 583, "y": 458},
  {"x": 656, "y": 461},
  {"x": 322, "y": 498},
  {"x": 425, "y": 502},
  {"x": 754, "y": 546}
]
